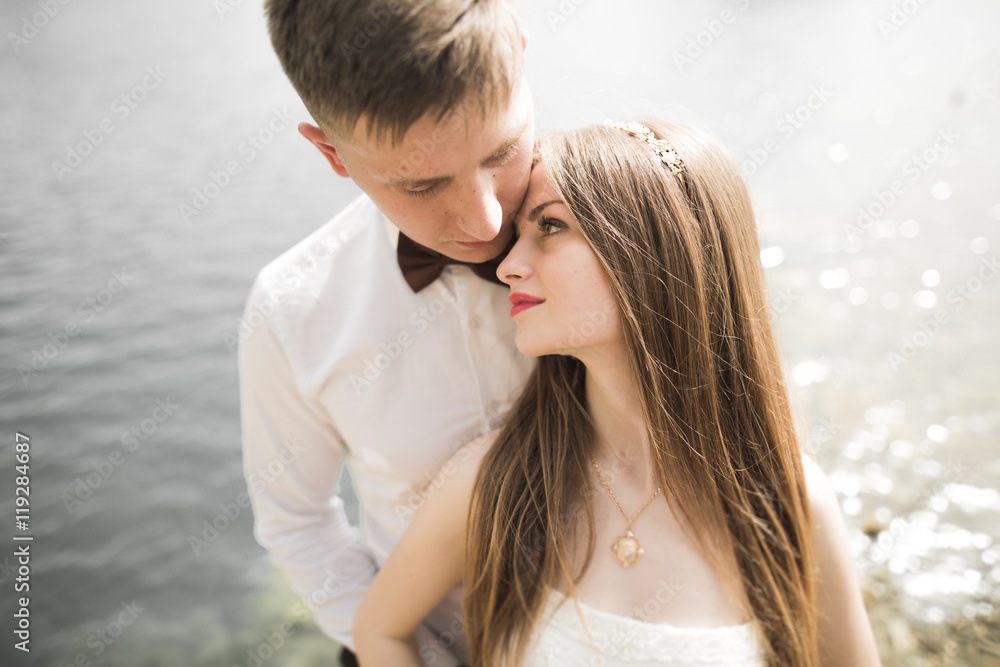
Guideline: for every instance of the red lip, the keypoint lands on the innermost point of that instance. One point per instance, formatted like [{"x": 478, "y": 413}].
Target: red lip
[{"x": 523, "y": 301}]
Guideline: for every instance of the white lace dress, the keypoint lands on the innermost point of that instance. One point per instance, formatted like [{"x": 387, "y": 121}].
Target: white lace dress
[{"x": 560, "y": 640}]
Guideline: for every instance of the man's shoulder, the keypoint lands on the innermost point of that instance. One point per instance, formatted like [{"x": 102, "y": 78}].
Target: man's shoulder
[
  {"x": 296, "y": 276},
  {"x": 467, "y": 460}
]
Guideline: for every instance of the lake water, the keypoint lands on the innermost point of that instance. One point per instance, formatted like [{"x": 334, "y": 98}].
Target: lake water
[{"x": 889, "y": 322}]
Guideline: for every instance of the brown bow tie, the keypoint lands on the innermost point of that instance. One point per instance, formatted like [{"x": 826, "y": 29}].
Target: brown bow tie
[{"x": 421, "y": 266}]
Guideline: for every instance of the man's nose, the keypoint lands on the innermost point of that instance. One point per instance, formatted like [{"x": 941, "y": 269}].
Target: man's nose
[{"x": 480, "y": 214}]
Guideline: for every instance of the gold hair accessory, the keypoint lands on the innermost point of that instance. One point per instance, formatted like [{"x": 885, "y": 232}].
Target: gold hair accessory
[
  {"x": 626, "y": 548},
  {"x": 663, "y": 148}
]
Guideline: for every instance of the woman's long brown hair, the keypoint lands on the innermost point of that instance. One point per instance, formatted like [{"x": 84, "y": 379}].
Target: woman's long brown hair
[{"x": 682, "y": 259}]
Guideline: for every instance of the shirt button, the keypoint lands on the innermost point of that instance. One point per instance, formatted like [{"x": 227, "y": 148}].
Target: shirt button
[{"x": 475, "y": 322}]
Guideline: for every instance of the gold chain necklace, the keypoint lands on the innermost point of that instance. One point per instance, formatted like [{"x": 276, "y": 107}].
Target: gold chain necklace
[{"x": 626, "y": 548}]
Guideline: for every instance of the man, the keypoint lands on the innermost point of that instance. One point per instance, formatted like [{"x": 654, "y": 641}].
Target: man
[{"x": 359, "y": 347}]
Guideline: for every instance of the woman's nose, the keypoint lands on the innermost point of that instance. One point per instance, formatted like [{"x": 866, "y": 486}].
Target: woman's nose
[{"x": 515, "y": 265}]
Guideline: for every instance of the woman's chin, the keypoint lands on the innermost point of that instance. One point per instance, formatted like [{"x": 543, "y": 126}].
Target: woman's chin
[{"x": 532, "y": 348}]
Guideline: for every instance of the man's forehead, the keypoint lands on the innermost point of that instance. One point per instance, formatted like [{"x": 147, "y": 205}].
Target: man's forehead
[
  {"x": 468, "y": 117},
  {"x": 466, "y": 129},
  {"x": 382, "y": 140},
  {"x": 430, "y": 153}
]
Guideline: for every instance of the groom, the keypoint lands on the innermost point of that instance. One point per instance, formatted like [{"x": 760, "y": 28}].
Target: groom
[{"x": 383, "y": 339}]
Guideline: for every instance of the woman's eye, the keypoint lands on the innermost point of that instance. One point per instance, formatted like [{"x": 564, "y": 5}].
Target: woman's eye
[{"x": 549, "y": 226}]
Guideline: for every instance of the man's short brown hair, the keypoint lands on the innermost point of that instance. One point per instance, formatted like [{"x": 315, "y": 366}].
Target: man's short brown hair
[{"x": 392, "y": 61}]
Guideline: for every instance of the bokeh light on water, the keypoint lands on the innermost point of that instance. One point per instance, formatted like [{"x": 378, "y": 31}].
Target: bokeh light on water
[{"x": 867, "y": 131}]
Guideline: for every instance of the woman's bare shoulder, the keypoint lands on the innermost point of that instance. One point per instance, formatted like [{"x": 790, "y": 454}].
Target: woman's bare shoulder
[
  {"x": 845, "y": 634},
  {"x": 821, "y": 494}
]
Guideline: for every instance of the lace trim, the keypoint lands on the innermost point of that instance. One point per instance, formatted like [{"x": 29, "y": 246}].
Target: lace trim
[{"x": 625, "y": 640}]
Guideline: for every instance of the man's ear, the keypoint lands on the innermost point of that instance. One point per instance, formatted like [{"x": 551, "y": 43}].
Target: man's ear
[
  {"x": 318, "y": 139},
  {"x": 524, "y": 39}
]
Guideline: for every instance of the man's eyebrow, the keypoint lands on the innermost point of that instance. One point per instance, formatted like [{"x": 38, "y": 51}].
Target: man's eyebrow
[
  {"x": 508, "y": 144},
  {"x": 417, "y": 184}
]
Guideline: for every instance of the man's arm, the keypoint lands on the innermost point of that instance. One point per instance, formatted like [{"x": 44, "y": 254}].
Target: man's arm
[
  {"x": 426, "y": 564},
  {"x": 292, "y": 456},
  {"x": 845, "y": 634}
]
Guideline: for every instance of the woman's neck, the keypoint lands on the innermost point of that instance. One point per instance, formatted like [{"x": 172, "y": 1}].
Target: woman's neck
[{"x": 613, "y": 403}]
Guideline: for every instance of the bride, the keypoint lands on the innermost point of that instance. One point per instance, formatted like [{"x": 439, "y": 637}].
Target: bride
[{"x": 646, "y": 501}]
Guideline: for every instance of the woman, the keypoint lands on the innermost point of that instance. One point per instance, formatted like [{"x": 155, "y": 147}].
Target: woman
[{"x": 646, "y": 501}]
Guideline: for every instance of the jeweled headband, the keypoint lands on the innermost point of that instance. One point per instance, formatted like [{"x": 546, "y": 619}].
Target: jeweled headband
[{"x": 663, "y": 148}]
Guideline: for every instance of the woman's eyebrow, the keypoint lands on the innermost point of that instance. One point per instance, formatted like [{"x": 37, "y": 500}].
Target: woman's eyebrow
[{"x": 535, "y": 212}]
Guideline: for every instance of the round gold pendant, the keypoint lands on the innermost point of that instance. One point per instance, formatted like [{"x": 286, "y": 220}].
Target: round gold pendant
[{"x": 627, "y": 550}]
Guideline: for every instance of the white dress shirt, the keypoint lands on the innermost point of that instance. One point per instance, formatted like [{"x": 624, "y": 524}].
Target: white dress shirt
[{"x": 340, "y": 361}]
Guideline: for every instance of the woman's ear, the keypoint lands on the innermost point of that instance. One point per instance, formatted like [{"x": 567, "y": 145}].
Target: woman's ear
[{"x": 318, "y": 139}]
